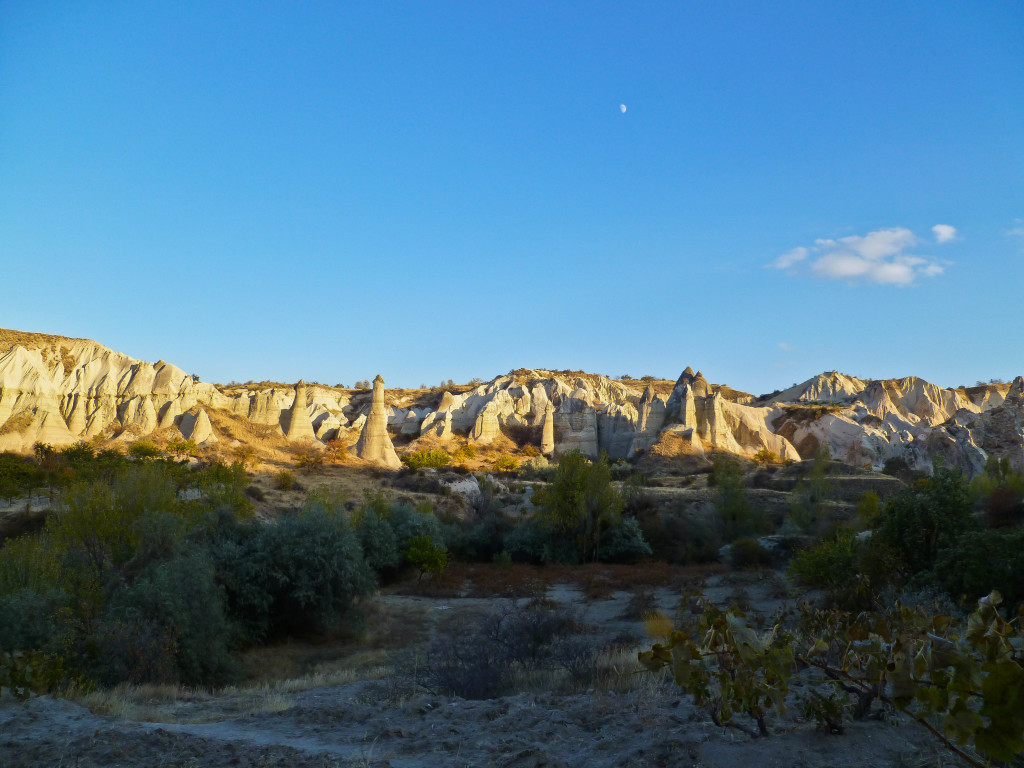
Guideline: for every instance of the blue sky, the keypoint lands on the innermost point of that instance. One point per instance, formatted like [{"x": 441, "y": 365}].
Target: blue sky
[{"x": 449, "y": 190}]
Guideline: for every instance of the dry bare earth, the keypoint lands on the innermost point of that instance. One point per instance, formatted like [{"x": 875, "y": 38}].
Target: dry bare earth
[
  {"x": 342, "y": 726},
  {"x": 640, "y": 721}
]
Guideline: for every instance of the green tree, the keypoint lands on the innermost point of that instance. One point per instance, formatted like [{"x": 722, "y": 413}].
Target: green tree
[
  {"x": 810, "y": 497},
  {"x": 581, "y": 502},
  {"x": 925, "y": 518},
  {"x": 426, "y": 556},
  {"x": 736, "y": 517}
]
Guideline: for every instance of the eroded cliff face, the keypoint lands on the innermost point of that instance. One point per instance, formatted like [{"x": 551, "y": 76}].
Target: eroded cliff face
[{"x": 59, "y": 391}]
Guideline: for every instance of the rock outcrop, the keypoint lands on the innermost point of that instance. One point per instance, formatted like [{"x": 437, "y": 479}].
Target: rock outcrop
[
  {"x": 374, "y": 444},
  {"x": 299, "y": 425},
  {"x": 547, "y": 440},
  {"x": 59, "y": 390},
  {"x": 197, "y": 427},
  {"x": 576, "y": 425},
  {"x": 486, "y": 426}
]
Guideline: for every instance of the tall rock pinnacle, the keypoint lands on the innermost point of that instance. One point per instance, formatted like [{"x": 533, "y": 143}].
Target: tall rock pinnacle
[
  {"x": 547, "y": 441},
  {"x": 374, "y": 442},
  {"x": 299, "y": 425}
]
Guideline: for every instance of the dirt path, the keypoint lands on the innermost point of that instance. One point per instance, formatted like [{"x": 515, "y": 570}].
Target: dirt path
[{"x": 356, "y": 725}]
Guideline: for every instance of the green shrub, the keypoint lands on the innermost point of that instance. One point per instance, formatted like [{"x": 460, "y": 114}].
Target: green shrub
[
  {"x": 980, "y": 561},
  {"x": 527, "y": 542},
  {"x": 485, "y": 538},
  {"x": 143, "y": 449},
  {"x": 223, "y": 487},
  {"x": 28, "y": 562},
  {"x": 505, "y": 463},
  {"x": 808, "y": 502},
  {"x": 35, "y": 673},
  {"x": 27, "y": 619},
  {"x": 426, "y": 556},
  {"x": 296, "y": 577},
  {"x": 869, "y": 509},
  {"x": 183, "y": 447},
  {"x": 79, "y": 453},
  {"x": 925, "y": 518},
  {"x": 748, "y": 553},
  {"x": 409, "y": 522},
  {"x": 681, "y": 537},
  {"x": 624, "y": 543},
  {"x": 173, "y": 613},
  {"x": 433, "y": 458},
  {"x": 463, "y": 452},
  {"x": 18, "y": 475},
  {"x": 284, "y": 480},
  {"x": 579, "y": 504},
  {"x": 830, "y": 564},
  {"x": 378, "y": 541},
  {"x": 735, "y": 515}
]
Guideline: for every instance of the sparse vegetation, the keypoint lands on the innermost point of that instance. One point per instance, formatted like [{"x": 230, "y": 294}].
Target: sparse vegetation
[
  {"x": 166, "y": 580},
  {"x": 284, "y": 480},
  {"x": 433, "y": 458},
  {"x": 309, "y": 460},
  {"x": 735, "y": 514},
  {"x": 505, "y": 463},
  {"x": 464, "y": 452},
  {"x": 143, "y": 449}
]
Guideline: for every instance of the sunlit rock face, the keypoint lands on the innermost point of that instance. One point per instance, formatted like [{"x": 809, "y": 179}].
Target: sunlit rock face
[
  {"x": 374, "y": 444},
  {"x": 299, "y": 425},
  {"x": 58, "y": 390}
]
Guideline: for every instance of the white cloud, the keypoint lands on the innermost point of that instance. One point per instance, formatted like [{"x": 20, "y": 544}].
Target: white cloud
[
  {"x": 786, "y": 260},
  {"x": 944, "y": 233},
  {"x": 784, "y": 346},
  {"x": 1017, "y": 231},
  {"x": 877, "y": 257}
]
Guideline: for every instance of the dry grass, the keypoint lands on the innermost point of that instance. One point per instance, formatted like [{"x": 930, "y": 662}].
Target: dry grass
[
  {"x": 658, "y": 625},
  {"x": 174, "y": 704},
  {"x": 11, "y": 338},
  {"x": 805, "y": 413},
  {"x": 17, "y": 423}
]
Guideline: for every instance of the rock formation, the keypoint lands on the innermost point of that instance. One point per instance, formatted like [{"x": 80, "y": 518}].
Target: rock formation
[
  {"x": 59, "y": 390},
  {"x": 486, "y": 426},
  {"x": 547, "y": 440},
  {"x": 374, "y": 443},
  {"x": 197, "y": 427},
  {"x": 576, "y": 425},
  {"x": 651, "y": 413},
  {"x": 299, "y": 426}
]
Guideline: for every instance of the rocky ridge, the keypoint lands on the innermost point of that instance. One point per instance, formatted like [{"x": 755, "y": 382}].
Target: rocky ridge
[{"x": 59, "y": 390}]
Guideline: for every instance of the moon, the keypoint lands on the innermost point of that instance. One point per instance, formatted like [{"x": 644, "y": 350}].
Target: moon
[{"x": 622, "y": 108}]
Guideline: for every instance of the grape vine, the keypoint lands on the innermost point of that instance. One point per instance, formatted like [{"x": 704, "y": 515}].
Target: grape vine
[{"x": 961, "y": 681}]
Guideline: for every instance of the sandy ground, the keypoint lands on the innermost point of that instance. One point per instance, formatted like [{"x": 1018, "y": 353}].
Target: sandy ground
[
  {"x": 355, "y": 724},
  {"x": 380, "y": 723}
]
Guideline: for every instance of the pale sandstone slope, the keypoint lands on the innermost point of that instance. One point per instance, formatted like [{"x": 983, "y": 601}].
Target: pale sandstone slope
[{"x": 59, "y": 390}]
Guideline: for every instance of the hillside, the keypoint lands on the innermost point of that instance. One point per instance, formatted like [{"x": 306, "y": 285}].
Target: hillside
[{"x": 60, "y": 390}]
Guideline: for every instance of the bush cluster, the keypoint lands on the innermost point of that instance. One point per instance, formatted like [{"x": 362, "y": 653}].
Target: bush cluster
[
  {"x": 151, "y": 572},
  {"x": 480, "y": 657},
  {"x": 433, "y": 458},
  {"x": 929, "y": 535}
]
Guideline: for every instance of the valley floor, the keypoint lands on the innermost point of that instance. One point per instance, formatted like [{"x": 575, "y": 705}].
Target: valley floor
[
  {"x": 374, "y": 719},
  {"x": 349, "y": 726}
]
